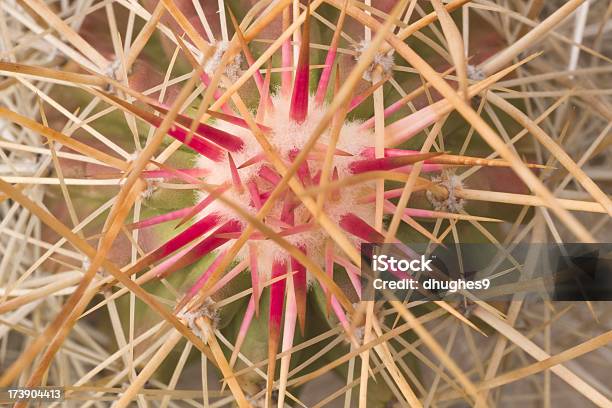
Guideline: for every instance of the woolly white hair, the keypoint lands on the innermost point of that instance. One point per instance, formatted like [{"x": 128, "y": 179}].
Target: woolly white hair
[
  {"x": 451, "y": 203},
  {"x": 475, "y": 73},
  {"x": 152, "y": 184},
  {"x": 382, "y": 60},
  {"x": 232, "y": 69},
  {"x": 207, "y": 310},
  {"x": 286, "y": 136}
]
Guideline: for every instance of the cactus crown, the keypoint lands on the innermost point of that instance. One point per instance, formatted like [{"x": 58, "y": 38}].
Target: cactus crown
[{"x": 223, "y": 172}]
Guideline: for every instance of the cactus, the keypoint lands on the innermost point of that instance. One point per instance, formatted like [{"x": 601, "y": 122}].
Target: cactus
[{"x": 185, "y": 186}]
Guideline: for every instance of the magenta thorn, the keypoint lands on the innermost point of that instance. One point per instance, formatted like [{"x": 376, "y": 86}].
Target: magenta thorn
[
  {"x": 303, "y": 171},
  {"x": 161, "y": 269},
  {"x": 230, "y": 275},
  {"x": 402, "y": 130},
  {"x": 254, "y": 265},
  {"x": 270, "y": 175},
  {"x": 159, "y": 219},
  {"x": 265, "y": 103},
  {"x": 218, "y": 136},
  {"x": 254, "y": 193},
  {"x": 201, "y": 281},
  {"x": 235, "y": 120},
  {"x": 287, "y": 215},
  {"x": 369, "y": 152},
  {"x": 335, "y": 194},
  {"x": 194, "y": 231},
  {"x": 217, "y": 94},
  {"x": 329, "y": 60},
  {"x": 337, "y": 308},
  {"x": 391, "y": 109},
  {"x": 389, "y": 163},
  {"x": 299, "y": 99},
  {"x": 244, "y": 328},
  {"x": 205, "y": 247},
  {"x": 255, "y": 159},
  {"x": 298, "y": 229},
  {"x": 277, "y": 299},
  {"x": 234, "y": 172},
  {"x": 352, "y": 271},
  {"x": 194, "y": 172},
  {"x": 361, "y": 229},
  {"x": 300, "y": 286},
  {"x": 197, "y": 143}
]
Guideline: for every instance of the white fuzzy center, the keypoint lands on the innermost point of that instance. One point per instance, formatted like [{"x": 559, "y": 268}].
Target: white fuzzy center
[{"x": 286, "y": 136}]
